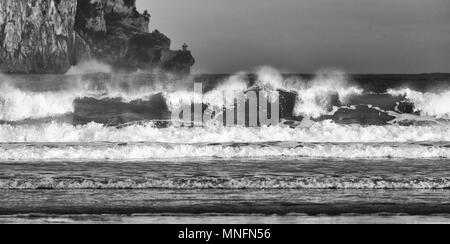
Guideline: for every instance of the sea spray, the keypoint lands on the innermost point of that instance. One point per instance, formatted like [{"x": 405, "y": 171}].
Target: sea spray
[
  {"x": 434, "y": 104},
  {"x": 318, "y": 97}
]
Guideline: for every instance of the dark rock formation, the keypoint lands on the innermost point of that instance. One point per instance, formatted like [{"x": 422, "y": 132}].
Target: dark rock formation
[
  {"x": 48, "y": 36},
  {"x": 36, "y": 36}
]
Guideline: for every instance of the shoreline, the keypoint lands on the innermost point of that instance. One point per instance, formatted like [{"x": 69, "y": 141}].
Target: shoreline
[
  {"x": 230, "y": 219},
  {"x": 225, "y": 202}
]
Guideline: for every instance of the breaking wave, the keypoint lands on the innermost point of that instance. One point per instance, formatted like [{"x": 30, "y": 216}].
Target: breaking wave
[
  {"x": 324, "y": 94},
  {"x": 153, "y": 151},
  {"x": 328, "y": 108},
  {"x": 326, "y": 131},
  {"x": 16, "y": 105},
  {"x": 429, "y": 103},
  {"x": 315, "y": 97}
]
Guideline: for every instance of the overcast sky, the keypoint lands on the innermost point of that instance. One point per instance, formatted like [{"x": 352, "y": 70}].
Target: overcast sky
[{"x": 359, "y": 36}]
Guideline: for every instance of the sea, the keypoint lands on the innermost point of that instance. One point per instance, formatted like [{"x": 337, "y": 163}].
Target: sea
[{"x": 104, "y": 148}]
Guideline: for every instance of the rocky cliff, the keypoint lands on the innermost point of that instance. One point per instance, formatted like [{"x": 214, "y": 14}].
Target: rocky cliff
[
  {"x": 49, "y": 36},
  {"x": 36, "y": 35}
]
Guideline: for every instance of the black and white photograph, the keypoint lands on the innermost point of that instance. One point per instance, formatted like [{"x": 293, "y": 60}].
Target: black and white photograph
[{"x": 208, "y": 112}]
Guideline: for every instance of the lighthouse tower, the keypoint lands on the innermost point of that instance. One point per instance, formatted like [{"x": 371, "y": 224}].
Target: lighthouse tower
[{"x": 185, "y": 47}]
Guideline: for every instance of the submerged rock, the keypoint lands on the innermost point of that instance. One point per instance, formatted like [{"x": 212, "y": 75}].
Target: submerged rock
[{"x": 49, "y": 36}]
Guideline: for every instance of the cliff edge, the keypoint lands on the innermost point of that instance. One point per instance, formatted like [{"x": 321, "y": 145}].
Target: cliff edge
[{"x": 49, "y": 36}]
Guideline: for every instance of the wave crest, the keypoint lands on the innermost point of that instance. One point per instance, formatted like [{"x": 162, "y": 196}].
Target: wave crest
[
  {"x": 428, "y": 103},
  {"x": 152, "y": 151},
  {"x": 325, "y": 131}
]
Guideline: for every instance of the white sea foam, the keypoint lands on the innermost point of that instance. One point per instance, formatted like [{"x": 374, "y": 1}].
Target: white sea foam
[
  {"x": 325, "y": 131},
  {"x": 269, "y": 78},
  {"x": 315, "y": 97},
  {"x": 428, "y": 103},
  {"x": 19, "y": 105},
  {"x": 202, "y": 182},
  {"x": 222, "y": 95},
  {"x": 171, "y": 151}
]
